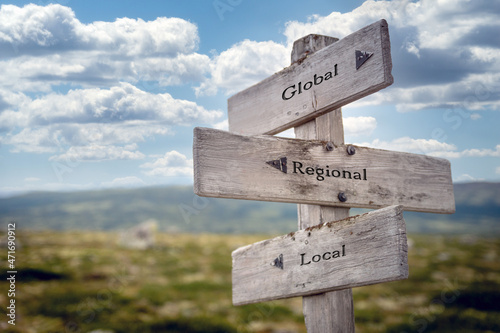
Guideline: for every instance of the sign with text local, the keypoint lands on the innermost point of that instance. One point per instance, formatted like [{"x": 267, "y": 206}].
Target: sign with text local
[
  {"x": 277, "y": 169},
  {"x": 360, "y": 250},
  {"x": 356, "y": 66}
]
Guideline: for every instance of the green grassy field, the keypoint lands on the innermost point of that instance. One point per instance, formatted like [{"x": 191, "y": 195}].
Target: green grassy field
[{"x": 84, "y": 281}]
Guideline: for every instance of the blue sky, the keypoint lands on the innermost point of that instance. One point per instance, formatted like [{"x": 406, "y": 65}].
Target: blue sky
[{"x": 106, "y": 94}]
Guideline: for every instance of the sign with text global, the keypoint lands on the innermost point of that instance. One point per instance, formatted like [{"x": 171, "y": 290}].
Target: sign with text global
[{"x": 354, "y": 67}]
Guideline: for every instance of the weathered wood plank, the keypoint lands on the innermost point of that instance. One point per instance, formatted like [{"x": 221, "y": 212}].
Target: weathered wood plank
[
  {"x": 328, "y": 79},
  {"x": 332, "y": 311},
  {"x": 360, "y": 250},
  {"x": 228, "y": 165},
  {"x": 329, "y": 312}
]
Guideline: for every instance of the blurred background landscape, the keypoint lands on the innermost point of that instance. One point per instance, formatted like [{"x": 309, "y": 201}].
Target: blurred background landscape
[
  {"x": 98, "y": 101},
  {"x": 178, "y": 209},
  {"x": 79, "y": 270}
]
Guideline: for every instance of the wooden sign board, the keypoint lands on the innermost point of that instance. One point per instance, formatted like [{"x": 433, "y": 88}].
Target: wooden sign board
[
  {"x": 356, "y": 66},
  {"x": 269, "y": 168},
  {"x": 357, "y": 251}
]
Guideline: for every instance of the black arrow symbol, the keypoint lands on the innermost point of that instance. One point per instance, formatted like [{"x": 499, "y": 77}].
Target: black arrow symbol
[
  {"x": 361, "y": 58},
  {"x": 278, "y": 262},
  {"x": 278, "y": 164}
]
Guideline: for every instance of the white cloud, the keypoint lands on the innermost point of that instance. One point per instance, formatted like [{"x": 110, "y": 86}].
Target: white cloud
[
  {"x": 243, "y": 65},
  {"x": 44, "y": 46},
  {"x": 475, "y": 116},
  {"x": 445, "y": 53},
  {"x": 93, "y": 121},
  {"x": 31, "y": 179},
  {"x": 127, "y": 182},
  {"x": 438, "y": 24},
  {"x": 467, "y": 178},
  {"x": 340, "y": 25},
  {"x": 407, "y": 144},
  {"x": 356, "y": 126},
  {"x": 468, "y": 153},
  {"x": 223, "y": 125},
  {"x": 9, "y": 191},
  {"x": 94, "y": 152},
  {"x": 172, "y": 164},
  {"x": 497, "y": 171},
  {"x": 54, "y": 28},
  {"x": 430, "y": 147},
  {"x": 412, "y": 48}
]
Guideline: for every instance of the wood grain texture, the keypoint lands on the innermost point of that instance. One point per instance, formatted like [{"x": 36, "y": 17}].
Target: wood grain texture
[
  {"x": 227, "y": 165},
  {"x": 360, "y": 250},
  {"x": 331, "y": 311},
  {"x": 308, "y": 45},
  {"x": 261, "y": 108}
]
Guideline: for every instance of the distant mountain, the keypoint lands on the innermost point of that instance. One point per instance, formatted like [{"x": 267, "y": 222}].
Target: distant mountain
[
  {"x": 477, "y": 212},
  {"x": 177, "y": 209}
]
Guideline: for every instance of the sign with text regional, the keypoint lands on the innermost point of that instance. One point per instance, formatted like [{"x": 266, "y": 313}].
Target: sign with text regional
[
  {"x": 356, "y": 66},
  {"x": 270, "y": 168},
  {"x": 360, "y": 250}
]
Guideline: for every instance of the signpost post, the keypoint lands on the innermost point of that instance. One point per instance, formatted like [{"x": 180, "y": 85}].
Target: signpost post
[{"x": 324, "y": 259}]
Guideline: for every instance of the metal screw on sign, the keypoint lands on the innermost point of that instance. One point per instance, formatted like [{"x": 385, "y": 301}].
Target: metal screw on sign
[
  {"x": 342, "y": 197},
  {"x": 329, "y": 146},
  {"x": 351, "y": 150}
]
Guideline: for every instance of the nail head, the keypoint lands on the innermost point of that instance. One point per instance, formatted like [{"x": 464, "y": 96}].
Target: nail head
[{"x": 351, "y": 150}]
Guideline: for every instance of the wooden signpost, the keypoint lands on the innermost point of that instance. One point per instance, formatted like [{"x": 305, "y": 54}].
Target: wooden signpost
[
  {"x": 269, "y": 168},
  {"x": 362, "y": 250},
  {"x": 331, "y": 252},
  {"x": 356, "y": 66}
]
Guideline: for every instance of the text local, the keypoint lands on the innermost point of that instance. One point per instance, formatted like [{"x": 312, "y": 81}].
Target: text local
[{"x": 324, "y": 256}]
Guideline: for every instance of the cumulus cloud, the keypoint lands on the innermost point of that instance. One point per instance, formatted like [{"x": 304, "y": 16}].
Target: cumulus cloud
[
  {"x": 53, "y": 29},
  {"x": 126, "y": 182},
  {"x": 223, "y": 125},
  {"x": 431, "y": 147},
  {"x": 356, "y": 126},
  {"x": 82, "y": 91},
  {"x": 407, "y": 144},
  {"x": 43, "y": 46},
  {"x": 172, "y": 164},
  {"x": 95, "y": 152},
  {"x": 468, "y": 153},
  {"x": 443, "y": 52},
  {"x": 108, "y": 65},
  {"x": 243, "y": 65},
  {"x": 118, "y": 104},
  {"x": 94, "y": 123}
]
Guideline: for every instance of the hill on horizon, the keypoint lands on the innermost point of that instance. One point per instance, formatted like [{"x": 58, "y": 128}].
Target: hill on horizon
[{"x": 178, "y": 209}]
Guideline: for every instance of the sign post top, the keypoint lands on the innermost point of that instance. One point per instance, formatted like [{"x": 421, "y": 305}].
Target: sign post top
[
  {"x": 335, "y": 75},
  {"x": 310, "y": 44}
]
